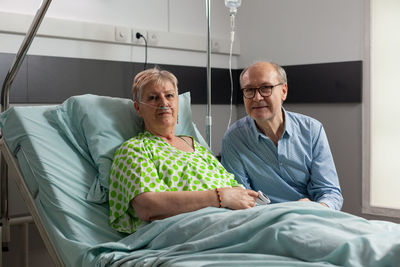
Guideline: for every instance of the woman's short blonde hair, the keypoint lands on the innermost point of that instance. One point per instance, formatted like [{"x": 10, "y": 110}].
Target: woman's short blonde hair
[{"x": 151, "y": 75}]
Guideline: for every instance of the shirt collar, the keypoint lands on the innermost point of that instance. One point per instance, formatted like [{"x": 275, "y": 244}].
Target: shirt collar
[
  {"x": 288, "y": 125},
  {"x": 253, "y": 127}
]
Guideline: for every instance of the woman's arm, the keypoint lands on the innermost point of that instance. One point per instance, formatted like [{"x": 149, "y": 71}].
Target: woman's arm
[{"x": 151, "y": 206}]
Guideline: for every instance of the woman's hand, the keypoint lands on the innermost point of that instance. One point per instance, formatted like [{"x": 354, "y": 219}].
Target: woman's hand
[{"x": 237, "y": 198}]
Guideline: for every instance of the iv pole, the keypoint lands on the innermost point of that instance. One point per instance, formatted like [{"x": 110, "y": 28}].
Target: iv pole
[{"x": 208, "y": 116}]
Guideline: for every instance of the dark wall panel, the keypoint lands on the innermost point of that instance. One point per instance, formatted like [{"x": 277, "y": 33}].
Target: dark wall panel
[
  {"x": 194, "y": 79},
  {"x": 325, "y": 83},
  {"x": 19, "y": 88},
  {"x": 44, "y": 79},
  {"x": 54, "y": 79}
]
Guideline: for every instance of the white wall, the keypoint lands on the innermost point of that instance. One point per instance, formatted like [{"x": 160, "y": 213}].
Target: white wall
[
  {"x": 185, "y": 17},
  {"x": 182, "y": 16},
  {"x": 381, "y": 97}
]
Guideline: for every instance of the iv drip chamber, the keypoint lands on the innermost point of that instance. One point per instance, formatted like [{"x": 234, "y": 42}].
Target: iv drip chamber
[{"x": 233, "y": 5}]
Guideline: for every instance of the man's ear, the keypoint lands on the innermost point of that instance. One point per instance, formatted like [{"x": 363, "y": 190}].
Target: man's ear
[
  {"x": 284, "y": 91},
  {"x": 136, "y": 106}
]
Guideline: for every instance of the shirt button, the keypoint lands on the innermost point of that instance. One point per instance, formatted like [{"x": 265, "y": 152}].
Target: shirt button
[{"x": 281, "y": 163}]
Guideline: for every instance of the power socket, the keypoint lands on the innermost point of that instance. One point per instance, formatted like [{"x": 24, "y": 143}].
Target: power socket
[
  {"x": 139, "y": 41},
  {"x": 122, "y": 34},
  {"x": 153, "y": 38}
]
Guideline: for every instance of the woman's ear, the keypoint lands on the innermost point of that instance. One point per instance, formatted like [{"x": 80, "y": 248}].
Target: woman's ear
[{"x": 136, "y": 106}]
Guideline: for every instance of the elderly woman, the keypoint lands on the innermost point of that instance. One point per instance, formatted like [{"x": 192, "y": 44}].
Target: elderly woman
[{"x": 157, "y": 174}]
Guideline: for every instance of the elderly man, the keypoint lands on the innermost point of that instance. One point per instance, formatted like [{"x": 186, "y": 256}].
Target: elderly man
[{"x": 286, "y": 155}]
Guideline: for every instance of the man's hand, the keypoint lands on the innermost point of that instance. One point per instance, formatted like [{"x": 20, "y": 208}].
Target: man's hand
[
  {"x": 307, "y": 199},
  {"x": 304, "y": 199}
]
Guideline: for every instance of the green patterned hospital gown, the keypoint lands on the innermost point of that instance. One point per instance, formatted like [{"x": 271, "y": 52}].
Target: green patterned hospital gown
[{"x": 146, "y": 163}]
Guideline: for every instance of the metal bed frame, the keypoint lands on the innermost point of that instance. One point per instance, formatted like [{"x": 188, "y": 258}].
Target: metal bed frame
[{"x": 8, "y": 158}]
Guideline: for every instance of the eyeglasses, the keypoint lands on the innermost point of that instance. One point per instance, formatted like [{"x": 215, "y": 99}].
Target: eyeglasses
[{"x": 264, "y": 90}]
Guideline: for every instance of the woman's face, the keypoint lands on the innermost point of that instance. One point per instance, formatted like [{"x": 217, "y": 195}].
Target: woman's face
[{"x": 158, "y": 106}]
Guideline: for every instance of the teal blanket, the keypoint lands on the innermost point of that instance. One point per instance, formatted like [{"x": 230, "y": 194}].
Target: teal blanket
[{"x": 286, "y": 234}]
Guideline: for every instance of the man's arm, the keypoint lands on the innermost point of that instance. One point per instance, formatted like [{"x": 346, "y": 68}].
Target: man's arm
[
  {"x": 324, "y": 185},
  {"x": 230, "y": 159}
]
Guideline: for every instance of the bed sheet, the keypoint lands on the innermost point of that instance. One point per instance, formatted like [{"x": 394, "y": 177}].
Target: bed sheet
[{"x": 285, "y": 234}]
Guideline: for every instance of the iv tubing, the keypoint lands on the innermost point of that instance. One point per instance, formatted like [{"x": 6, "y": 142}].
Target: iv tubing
[{"x": 232, "y": 15}]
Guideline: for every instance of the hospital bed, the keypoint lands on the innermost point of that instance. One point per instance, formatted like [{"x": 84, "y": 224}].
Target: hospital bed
[{"x": 61, "y": 155}]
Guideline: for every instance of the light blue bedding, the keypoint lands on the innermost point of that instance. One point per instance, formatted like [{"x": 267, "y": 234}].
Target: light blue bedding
[
  {"x": 286, "y": 234},
  {"x": 59, "y": 179}
]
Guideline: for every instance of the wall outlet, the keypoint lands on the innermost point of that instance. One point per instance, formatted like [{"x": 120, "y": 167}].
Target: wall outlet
[
  {"x": 122, "y": 34},
  {"x": 139, "y": 41},
  {"x": 153, "y": 38}
]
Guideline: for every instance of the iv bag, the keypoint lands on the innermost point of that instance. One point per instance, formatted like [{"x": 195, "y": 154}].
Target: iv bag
[{"x": 233, "y": 3}]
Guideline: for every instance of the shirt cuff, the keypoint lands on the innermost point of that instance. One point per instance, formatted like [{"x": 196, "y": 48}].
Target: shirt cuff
[{"x": 332, "y": 203}]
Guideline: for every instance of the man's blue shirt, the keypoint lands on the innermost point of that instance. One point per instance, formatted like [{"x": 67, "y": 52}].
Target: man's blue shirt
[{"x": 301, "y": 166}]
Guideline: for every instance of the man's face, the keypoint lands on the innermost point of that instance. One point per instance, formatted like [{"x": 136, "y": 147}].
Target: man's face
[{"x": 263, "y": 108}]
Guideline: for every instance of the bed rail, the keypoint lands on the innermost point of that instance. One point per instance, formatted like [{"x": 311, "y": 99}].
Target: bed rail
[
  {"x": 28, "y": 199},
  {"x": 5, "y": 100}
]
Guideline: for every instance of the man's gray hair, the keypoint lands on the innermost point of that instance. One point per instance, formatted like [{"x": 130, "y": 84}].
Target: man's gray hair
[{"x": 281, "y": 71}]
